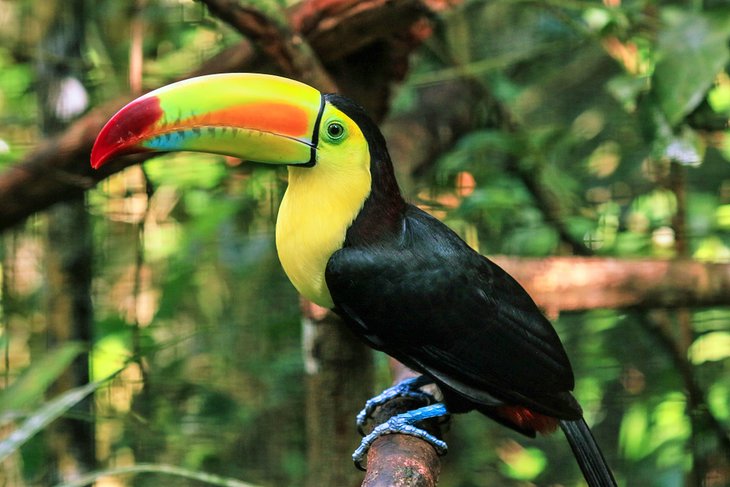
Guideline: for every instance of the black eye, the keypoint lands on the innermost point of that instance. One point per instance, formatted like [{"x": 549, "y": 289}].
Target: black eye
[{"x": 335, "y": 130}]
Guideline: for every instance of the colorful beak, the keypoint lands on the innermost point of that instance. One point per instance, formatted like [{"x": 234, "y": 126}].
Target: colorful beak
[{"x": 256, "y": 117}]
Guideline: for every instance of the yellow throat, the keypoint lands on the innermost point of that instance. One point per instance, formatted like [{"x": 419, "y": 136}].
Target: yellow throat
[{"x": 319, "y": 206}]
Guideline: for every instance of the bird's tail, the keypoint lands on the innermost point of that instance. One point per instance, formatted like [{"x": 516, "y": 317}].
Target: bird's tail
[{"x": 587, "y": 453}]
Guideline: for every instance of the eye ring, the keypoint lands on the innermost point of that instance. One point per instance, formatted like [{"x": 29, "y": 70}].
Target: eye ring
[{"x": 335, "y": 131}]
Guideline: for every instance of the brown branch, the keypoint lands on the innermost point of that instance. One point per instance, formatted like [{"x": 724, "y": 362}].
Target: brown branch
[
  {"x": 363, "y": 22},
  {"x": 572, "y": 284},
  {"x": 401, "y": 459},
  {"x": 288, "y": 50},
  {"x": 339, "y": 371},
  {"x": 58, "y": 168},
  {"x": 581, "y": 283}
]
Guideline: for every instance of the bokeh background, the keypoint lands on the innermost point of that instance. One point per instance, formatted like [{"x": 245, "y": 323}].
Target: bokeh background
[{"x": 149, "y": 337}]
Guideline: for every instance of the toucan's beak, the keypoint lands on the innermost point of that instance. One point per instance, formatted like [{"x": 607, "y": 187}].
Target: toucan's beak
[{"x": 256, "y": 117}]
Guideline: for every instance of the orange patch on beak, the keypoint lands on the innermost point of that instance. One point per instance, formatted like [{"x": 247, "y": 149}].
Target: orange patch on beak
[{"x": 278, "y": 118}]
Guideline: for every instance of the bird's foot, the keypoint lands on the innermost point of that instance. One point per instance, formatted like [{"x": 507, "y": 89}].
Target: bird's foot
[
  {"x": 404, "y": 424},
  {"x": 407, "y": 388}
]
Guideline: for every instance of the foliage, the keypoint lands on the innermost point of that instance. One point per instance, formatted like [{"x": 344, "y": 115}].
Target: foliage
[
  {"x": 604, "y": 106},
  {"x": 618, "y": 109}
]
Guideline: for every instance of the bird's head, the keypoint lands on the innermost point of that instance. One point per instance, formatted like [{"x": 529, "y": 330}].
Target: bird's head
[
  {"x": 341, "y": 182},
  {"x": 256, "y": 117}
]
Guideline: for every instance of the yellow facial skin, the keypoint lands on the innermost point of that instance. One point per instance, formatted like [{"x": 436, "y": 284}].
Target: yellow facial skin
[{"x": 320, "y": 204}]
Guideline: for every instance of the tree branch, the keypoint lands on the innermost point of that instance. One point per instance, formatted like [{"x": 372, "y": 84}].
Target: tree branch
[
  {"x": 339, "y": 374},
  {"x": 401, "y": 459},
  {"x": 581, "y": 283},
  {"x": 58, "y": 168},
  {"x": 362, "y": 22},
  {"x": 572, "y": 284},
  {"x": 288, "y": 50}
]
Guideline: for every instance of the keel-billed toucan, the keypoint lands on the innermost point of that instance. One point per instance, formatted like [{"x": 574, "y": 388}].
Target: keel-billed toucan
[{"x": 347, "y": 239}]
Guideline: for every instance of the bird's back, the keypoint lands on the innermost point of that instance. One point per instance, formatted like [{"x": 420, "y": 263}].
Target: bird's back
[{"x": 423, "y": 296}]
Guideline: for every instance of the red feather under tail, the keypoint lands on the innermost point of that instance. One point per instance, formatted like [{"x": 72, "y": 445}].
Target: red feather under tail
[{"x": 527, "y": 419}]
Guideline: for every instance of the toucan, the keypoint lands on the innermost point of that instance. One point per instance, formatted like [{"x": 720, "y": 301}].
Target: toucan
[{"x": 348, "y": 240}]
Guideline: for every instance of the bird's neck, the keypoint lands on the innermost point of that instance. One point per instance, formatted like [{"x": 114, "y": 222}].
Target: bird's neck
[
  {"x": 381, "y": 217},
  {"x": 318, "y": 207}
]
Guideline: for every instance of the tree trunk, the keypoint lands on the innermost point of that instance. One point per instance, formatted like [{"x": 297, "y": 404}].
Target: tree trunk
[
  {"x": 339, "y": 374},
  {"x": 71, "y": 440}
]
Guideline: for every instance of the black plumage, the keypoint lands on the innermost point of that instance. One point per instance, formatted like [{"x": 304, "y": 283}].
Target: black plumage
[
  {"x": 424, "y": 297},
  {"x": 413, "y": 289},
  {"x": 401, "y": 279}
]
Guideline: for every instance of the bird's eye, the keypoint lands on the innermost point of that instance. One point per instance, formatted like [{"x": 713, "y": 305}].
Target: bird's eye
[{"x": 335, "y": 131}]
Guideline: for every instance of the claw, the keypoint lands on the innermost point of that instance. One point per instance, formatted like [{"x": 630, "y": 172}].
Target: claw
[
  {"x": 404, "y": 424},
  {"x": 407, "y": 388}
]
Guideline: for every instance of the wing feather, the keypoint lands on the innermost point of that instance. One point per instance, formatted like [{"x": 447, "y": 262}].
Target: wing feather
[{"x": 429, "y": 300}]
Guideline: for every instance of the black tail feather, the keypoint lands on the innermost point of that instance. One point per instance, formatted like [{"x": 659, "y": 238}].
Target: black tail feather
[{"x": 588, "y": 454}]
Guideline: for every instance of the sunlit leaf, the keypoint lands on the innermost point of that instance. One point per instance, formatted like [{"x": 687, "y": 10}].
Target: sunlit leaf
[
  {"x": 719, "y": 96},
  {"x": 41, "y": 418},
  {"x": 718, "y": 399},
  {"x": 670, "y": 430},
  {"x": 633, "y": 435},
  {"x": 710, "y": 347},
  {"x": 712, "y": 319},
  {"x": 658, "y": 206},
  {"x": 670, "y": 421},
  {"x": 712, "y": 249},
  {"x": 691, "y": 51},
  {"x": 33, "y": 382},
  {"x": 109, "y": 354},
  {"x": 524, "y": 463},
  {"x": 722, "y": 216},
  {"x": 605, "y": 159}
]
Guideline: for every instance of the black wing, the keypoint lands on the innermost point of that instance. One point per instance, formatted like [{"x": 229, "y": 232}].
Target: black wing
[{"x": 430, "y": 301}]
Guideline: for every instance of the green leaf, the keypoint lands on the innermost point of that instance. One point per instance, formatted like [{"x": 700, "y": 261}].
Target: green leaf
[
  {"x": 626, "y": 89},
  {"x": 718, "y": 398},
  {"x": 719, "y": 97},
  {"x": 722, "y": 217},
  {"x": 710, "y": 347},
  {"x": 49, "y": 412},
  {"x": 691, "y": 51},
  {"x": 33, "y": 382},
  {"x": 524, "y": 463},
  {"x": 633, "y": 435}
]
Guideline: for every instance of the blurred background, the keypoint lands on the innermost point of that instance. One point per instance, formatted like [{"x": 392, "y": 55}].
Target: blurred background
[{"x": 149, "y": 337}]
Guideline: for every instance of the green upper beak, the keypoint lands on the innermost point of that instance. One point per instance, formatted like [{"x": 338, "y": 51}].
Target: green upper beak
[{"x": 256, "y": 117}]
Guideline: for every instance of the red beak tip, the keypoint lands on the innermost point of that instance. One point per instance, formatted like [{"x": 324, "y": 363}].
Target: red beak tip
[
  {"x": 123, "y": 131},
  {"x": 97, "y": 160}
]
